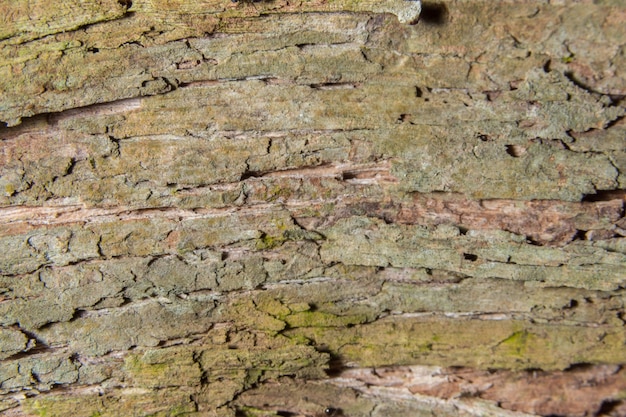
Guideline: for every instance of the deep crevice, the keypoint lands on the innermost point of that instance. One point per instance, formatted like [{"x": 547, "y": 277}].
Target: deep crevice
[
  {"x": 605, "y": 195},
  {"x": 614, "y": 122},
  {"x": 40, "y": 346},
  {"x": 52, "y": 118},
  {"x": 578, "y": 83},
  {"x": 334, "y": 86},
  {"x": 283, "y": 414},
  {"x": 581, "y": 366},
  {"x": 608, "y": 406},
  {"x": 250, "y": 174}
]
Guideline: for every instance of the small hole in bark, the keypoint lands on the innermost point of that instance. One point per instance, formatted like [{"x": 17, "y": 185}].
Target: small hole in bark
[
  {"x": 484, "y": 138},
  {"x": 434, "y": 13},
  {"x": 126, "y": 3},
  {"x": 470, "y": 257},
  {"x": 515, "y": 150},
  {"x": 418, "y": 92},
  {"x": 335, "y": 364},
  {"x": 580, "y": 235},
  {"x": 404, "y": 118},
  {"x": 492, "y": 95}
]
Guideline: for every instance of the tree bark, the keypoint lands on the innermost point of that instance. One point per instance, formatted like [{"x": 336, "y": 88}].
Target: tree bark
[{"x": 312, "y": 208}]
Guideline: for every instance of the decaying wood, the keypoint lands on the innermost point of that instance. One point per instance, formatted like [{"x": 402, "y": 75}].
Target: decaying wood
[{"x": 312, "y": 208}]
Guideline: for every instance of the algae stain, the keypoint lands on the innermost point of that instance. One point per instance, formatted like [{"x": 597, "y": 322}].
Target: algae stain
[
  {"x": 40, "y": 408},
  {"x": 273, "y": 307},
  {"x": 425, "y": 348},
  {"x": 278, "y": 192},
  {"x": 518, "y": 343},
  {"x": 266, "y": 241},
  {"x": 299, "y": 339},
  {"x": 180, "y": 410},
  {"x": 59, "y": 406},
  {"x": 9, "y": 190},
  {"x": 253, "y": 376},
  {"x": 135, "y": 366},
  {"x": 323, "y": 319},
  {"x": 254, "y": 412}
]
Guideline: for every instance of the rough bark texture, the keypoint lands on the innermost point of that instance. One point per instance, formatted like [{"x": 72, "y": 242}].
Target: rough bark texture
[{"x": 310, "y": 208}]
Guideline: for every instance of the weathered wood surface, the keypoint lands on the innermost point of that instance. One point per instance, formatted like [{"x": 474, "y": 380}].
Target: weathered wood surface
[{"x": 218, "y": 209}]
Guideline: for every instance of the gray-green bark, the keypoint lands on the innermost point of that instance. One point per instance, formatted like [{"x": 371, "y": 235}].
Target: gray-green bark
[{"x": 274, "y": 208}]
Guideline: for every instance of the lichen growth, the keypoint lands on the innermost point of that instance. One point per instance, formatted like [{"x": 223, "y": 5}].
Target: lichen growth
[{"x": 218, "y": 198}]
